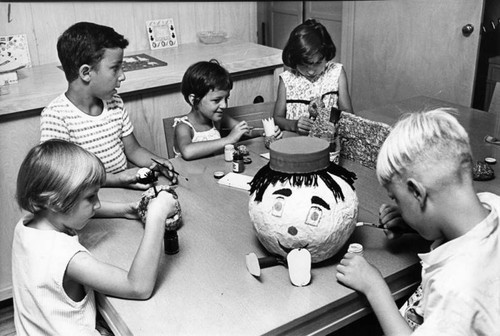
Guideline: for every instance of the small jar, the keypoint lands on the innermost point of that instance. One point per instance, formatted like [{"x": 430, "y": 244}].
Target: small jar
[
  {"x": 228, "y": 152},
  {"x": 171, "y": 242},
  {"x": 355, "y": 248},
  {"x": 238, "y": 162}
]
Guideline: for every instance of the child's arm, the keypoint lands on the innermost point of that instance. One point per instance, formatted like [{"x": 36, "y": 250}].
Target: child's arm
[
  {"x": 139, "y": 281},
  {"x": 141, "y": 157},
  {"x": 195, "y": 150},
  {"x": 355, "y": 272},
  {"x": 344, "y": 96},
  {"x": 301, "y": 126},
  {"x": 112, "y": 209}
]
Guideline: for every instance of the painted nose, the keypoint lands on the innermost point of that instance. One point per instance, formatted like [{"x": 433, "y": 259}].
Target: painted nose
[{"x": 292, "y": 230}]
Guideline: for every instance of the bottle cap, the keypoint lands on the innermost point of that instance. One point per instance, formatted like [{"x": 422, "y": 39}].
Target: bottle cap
[
  {"x": 219, "y": 174},
  {"x": 355, "y": 248},
  {"x": 490, "y": 160}
]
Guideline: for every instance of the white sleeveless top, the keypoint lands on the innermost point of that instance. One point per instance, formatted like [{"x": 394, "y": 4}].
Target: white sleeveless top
[
  {"x": 211, "y": 134},
  {"x": 41, "y": 306}
]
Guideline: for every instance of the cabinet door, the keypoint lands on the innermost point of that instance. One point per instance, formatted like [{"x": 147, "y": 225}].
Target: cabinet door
[
  {"x": 402, "y": 49},
  {"x": 284, "y": 16},
  {"x": 329, "y": 13}
]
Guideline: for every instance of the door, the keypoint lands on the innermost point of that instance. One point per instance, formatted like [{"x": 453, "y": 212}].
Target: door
[{"x": 399, "y": 49}]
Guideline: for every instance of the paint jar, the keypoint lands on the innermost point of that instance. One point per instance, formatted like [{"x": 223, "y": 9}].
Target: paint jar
[
  {"x": 238, "y": 162},
  {"x": 171, "y": 242},
  {"x": 355, "y": 248},
  {"x": 228, "y": 152}
]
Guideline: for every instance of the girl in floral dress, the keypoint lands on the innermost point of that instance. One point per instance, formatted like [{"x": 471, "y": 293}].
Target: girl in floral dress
[{"x": 313, "y": 81}]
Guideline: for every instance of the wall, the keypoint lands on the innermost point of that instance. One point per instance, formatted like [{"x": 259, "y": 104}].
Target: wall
[{"x": 43, "y": 22}]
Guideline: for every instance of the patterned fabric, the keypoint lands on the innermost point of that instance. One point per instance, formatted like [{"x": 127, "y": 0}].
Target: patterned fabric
[
  {"x": 41, "y": 306},
  {"x": 101, "y": 135},
  {"x": 461, "y": 278},
  {"x": 300, "y": 88},
  {"x": 361, "y": 138},
  {"x": 211, "y": 134}
]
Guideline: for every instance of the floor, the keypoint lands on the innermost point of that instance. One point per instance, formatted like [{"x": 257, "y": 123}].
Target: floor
[{"x": 367, "y": 325}]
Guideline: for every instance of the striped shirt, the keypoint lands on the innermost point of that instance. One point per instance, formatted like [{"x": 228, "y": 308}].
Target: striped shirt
[{"x": 101, "y": 135}]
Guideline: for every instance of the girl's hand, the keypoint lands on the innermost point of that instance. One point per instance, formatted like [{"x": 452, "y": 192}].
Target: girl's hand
[
  {"x": 161, "y": 207},
  {"x": 277, "y": 133},
  {"x": 238, "y": 130},
  {"x": 304, "y": 125},
  {"x": 390, "y": 217},
  {"x": 355, "y": 272}
]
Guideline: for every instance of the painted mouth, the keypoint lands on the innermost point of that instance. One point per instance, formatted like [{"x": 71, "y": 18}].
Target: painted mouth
[{"x": 288, "y": 249}]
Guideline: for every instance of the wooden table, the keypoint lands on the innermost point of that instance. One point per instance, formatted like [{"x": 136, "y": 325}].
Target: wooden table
[{"x": 205, "y": 289}]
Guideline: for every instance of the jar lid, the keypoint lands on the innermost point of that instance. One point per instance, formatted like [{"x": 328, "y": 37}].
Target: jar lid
[{"x": 299, "y": 155}]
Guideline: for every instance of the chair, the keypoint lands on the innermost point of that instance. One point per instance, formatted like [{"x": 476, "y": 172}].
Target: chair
[
  {"x": 252, "y": 114},
  {"x": 495, "y": 100},
  {"x": 168, "y": 129}
]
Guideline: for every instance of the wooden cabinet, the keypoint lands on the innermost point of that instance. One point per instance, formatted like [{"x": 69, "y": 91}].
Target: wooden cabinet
[
  {"x": 491, "y": 80},
  {"x": 280, "y": 17},
  {"x": 150, "y": 95}
]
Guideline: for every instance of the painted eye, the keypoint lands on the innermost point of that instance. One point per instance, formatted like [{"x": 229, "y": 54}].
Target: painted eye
[
  {"x": 314, "y": 216},
  {"x": 279, "y": 204}
]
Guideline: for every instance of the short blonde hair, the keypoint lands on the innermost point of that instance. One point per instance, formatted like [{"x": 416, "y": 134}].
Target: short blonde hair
[
  {"x": 54, "y": 174},
  {"x": 426, "y": 138}
]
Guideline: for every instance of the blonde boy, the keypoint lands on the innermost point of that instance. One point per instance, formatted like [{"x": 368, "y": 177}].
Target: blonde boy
[{"x": 425, "y": 165}]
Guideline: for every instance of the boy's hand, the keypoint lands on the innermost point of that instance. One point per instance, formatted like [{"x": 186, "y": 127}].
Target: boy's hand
[
  {"x": 165, "y": 168},
  {"x": 130, "y": 211},
  {"x": 238, "y": 131},
  {"x": 161, "y": 207},
  {"x": 128, "y": 179},
  {"x": 390, "y": 217},
  {"x": 357, "y": 273},
  {"x": 304, "y": 125}
]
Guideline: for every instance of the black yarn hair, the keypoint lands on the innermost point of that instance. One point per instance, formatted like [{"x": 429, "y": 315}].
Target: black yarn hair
[
  {"x": 266, "y": 176},
  {"x": 305, "y": 42}
]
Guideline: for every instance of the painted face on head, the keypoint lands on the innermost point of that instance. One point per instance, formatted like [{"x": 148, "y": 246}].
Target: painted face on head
[
  {"x": 212, "y": 105},
  {"x": 107, "y": 76},
  {"x": 83, "y": 210},
  {"x": 291, "y": 217},
  {"x": 313, "y": 70}
]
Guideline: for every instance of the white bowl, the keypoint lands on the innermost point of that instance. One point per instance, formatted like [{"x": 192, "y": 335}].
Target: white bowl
[{"x": 212, "y": 37}]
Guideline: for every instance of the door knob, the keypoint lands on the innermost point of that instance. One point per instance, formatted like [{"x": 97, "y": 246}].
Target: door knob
[{"x": 467, "y": 29}]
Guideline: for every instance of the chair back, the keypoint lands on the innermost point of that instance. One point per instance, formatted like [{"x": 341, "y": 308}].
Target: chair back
[
  {"x": 168, "y": 129},
  {"x": 495, "y": 100}
]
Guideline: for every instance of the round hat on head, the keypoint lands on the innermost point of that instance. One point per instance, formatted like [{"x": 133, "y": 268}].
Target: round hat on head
[{"x": 299, "y": 155}]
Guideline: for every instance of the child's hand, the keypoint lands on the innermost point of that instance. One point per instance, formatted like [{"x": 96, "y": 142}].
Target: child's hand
[
  {"x": 304, "y": 125},
  {"x": 390, "y": 218},
  {"x": 277, "y": 133},
  {"x": 161, "y": 207},
  {"x": 357, "y": 273},
  {"x": 129, "y": 179},
  {"x": 165, "y": 168},
  {"x": 238, "y": 131},
  {"x": 130, "y": 211}
]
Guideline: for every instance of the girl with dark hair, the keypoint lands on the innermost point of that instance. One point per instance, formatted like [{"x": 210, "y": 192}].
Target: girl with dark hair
[{"x": 312, "y": 80}]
